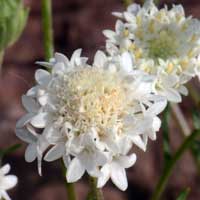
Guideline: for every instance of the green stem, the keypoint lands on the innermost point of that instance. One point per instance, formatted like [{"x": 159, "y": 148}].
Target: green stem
[
  {"x": 71, "y": 191},
  {"x": 47, "y": 28},
  {"x": 69, "y": 186},
  {"x": 1, "y": 59},
  {"x": 95, "y": 193},
  {"x": 169, "y": 168},
  {"x": 185, "y": 129}
]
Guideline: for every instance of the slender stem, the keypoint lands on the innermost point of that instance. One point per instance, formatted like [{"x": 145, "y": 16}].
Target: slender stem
[
  {"x": 69, "y": 186},
  {"x": 180, "y": 119},
  {"x": 47, "y": 28},
  {"x": 1, "y": 59},
  {"x": 169, "y": 168},
  {"x": 71, "y": 191},
  {"x": 165, "y": 131},
  {"x": 185, "y": 129},
  {"x": 95, "y": 193}
]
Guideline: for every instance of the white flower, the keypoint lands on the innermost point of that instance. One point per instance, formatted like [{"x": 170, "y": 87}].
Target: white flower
[
  {"x": 6, "y": 181},
  {"x": 89, "y": 115},
  {"x": 163, "y": 43},
  {"x": 116, "y": 170}
]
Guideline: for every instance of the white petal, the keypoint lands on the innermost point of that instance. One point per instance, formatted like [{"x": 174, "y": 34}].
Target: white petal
[
  {"x": 66, "y": 160},
  {"x": 142, "y": 125},
  {"x": 33, "y": 91},
  {"x": 9, "y": 182},
  {"x": 40, "y": 120},
  {"x": 5, "y": 169},
  {"x": 43, "y": 100},
  {"x": 45, "y": 64},
  {"x": 42, "y": 77},
  {"x": 156, "y": 124},
  {"x": 99, "y": 59},
  {"x": 31, "y": 153},
  {"x": 58, "y": 68},
  {"x": 119, "y": 26},
  {"x": 137, "y": 140},
  {"x": 109, "y": 34},
  {"x": 25, "y": 135},
  {"x": 118, "y": 176},
  {"x": 55, "y": 152},
  {"x": 24, "y": 120},
  {"x": 127, "y": 161},
  {"x": 183, "y": 90},
  {"x": 29, "y": 104},
  {"x": 105, "y": 170},
  {"x": 157, "y": 107},
  {"x": 134, "y": 8},
  {"x": 76, "y": 55},
  {"x": 4, "y": 195},
  {"x": 172, "y": 95},
  {"x": 75, "y": 171},
  {"x": 126, "y": 62},
  {"x": 62, "y": 58}
]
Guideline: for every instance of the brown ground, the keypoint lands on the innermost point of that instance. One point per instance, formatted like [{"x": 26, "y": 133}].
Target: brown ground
[{"x": 79, "y": 23}]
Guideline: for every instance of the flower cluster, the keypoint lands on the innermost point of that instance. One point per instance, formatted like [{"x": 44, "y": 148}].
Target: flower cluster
[
  {"x": 91, "y": 115},
  {"x": 6, "y": 181},
  {"x": 163, "y": 43}
]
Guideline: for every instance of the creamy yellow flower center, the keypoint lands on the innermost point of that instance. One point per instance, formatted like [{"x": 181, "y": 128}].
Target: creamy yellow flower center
[
  {"x": 163, "y": 46},
  {"x": 92, "y": 97}
]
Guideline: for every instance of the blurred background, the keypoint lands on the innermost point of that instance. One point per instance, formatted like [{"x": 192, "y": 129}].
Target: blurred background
[{"x": 79, "y": 24}]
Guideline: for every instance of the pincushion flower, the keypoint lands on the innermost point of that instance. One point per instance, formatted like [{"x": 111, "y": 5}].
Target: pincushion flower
[
  {"x": 90, "y": 115},
  {"x": 163, "y": 42},
  {"x": 6, "y": 182}
]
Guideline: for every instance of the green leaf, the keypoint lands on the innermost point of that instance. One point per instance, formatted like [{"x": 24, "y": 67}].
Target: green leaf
[
  {"x": 184, "y": 194},
  {"x": 165, "y": 130},
  {"x": 196, "y": 119}
]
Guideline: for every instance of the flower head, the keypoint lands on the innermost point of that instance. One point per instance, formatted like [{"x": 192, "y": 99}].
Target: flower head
[
  {"x": 164, "y": 43},
  {"x": 6, "y": 181},
  {"x": 90, "y": 115}
]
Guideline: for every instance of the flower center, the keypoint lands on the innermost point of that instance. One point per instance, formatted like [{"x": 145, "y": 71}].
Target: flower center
[
  {"x": 163, "y": 46},
  {"x": 91, "y": 98}
]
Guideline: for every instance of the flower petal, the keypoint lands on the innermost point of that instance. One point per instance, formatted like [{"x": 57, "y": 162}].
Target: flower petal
[
  {"x": 40, "y": 120},
  {"x": 5, "y": 169},
  {"x": 137, "y": 140},
  {"x": 31, "y": 153},
  {"x": 99, "y": 59},
  {"x": 105, "y": 170},
  {"x": 42, "y": 77},
  {"x": 25, "y": 135},
  {"x": 126, "y": 62},
  {"x": 55, "y": 152},
  {"x": 127, "y": 161},
  {"x": 75, "y": 171},
  {"x": 24, "y": 120},
  {"x": 118, "y": 176},
  {"x": 30, "y": 104},
  {"x": 8, "y": 182}
]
